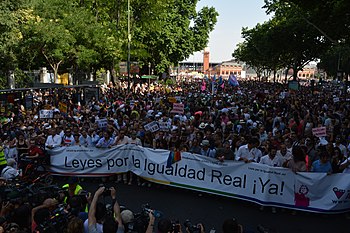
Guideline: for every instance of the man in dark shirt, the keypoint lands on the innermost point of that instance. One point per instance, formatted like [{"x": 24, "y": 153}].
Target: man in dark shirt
[{"x": 225, "y": 152}]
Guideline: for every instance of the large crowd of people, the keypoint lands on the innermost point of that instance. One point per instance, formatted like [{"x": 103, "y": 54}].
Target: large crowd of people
[{"x": 254, "y": 122}]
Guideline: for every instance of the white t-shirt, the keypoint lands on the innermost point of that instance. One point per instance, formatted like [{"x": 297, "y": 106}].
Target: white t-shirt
[
  {"x": 275, "y": 162},
  {"x": 99, "y": 227},
  {"x": 347, "y": 169},
  {"x": 137, "y": 141}
]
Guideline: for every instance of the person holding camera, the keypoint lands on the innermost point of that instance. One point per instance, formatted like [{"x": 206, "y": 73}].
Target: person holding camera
[{"x": 98, "y": 221}]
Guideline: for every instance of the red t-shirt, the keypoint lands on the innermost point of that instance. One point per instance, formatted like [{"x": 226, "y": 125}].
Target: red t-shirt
[{"x": 33, "y": 150}]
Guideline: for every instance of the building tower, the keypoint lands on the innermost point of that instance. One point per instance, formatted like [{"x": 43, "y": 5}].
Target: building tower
[{"x": 206, "y": 61}]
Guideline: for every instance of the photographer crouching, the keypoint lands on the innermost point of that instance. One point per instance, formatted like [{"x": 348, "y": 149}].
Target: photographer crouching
[{"x": 99, "y": 220}]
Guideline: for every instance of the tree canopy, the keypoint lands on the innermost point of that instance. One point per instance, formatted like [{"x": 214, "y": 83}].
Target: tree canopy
[
  {"x": 298, "y": 33},
  {"x": 88, "y": 35}
]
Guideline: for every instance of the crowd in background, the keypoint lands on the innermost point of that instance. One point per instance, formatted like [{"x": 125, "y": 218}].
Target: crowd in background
[{"x": 254, "y": 122}]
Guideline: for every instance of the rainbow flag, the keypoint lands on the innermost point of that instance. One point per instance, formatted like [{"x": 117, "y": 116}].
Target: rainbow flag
[
  {"x": 204, "y": 86},
  {"x": 174, "y": 156}
]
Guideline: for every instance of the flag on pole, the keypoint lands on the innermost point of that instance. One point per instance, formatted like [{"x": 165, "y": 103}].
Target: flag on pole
[
  {"x": 213, "y": 79},
  {"x": 220, "y": 82},
  {"x": 232, "y": 80},
  {"x": 174, "y": 156},
  {"x": 204, "y": 85}
]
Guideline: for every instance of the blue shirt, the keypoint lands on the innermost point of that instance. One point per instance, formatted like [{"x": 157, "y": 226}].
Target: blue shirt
[{"x": 317, "y": 166}]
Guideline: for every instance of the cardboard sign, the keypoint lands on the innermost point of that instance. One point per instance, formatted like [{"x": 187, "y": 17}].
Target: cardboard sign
[
  {"x": 62, "y": 107},
  {"x": 164, "y": 126},
  {"x": 153, "y": 127},
  {"x": 178, "y": 108},
  {"x": 172, "y": 99},
  {"x": 319, "y": 132},
  {"x": 102, "y": 123},
  {"x": 29, "y": 102},
  {"x": 46, "y": 114}
]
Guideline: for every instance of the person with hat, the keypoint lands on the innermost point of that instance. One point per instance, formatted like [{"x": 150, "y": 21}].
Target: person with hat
[
  {"x": 206, "y": 150},
  {"x": 10, "y": 172}
]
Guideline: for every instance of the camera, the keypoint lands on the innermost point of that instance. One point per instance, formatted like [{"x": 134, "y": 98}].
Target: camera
[
  {"x": 192, "y": 228},
  {"x": 175, "y": 227},
  {"x": 107, "y": 192},
  {"x": 56, "y": 223}
]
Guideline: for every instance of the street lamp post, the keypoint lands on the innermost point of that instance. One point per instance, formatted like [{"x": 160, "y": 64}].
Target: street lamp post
[
  {"x": 129, "y": 40},
  {"x": 149, "y": 78}
]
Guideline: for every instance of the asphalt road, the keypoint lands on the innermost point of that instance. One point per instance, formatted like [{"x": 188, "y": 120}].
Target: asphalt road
[{"x": 212, "y": 210}]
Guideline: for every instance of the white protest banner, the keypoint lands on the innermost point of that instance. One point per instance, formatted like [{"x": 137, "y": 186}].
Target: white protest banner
[
  {"x": 45, "y": 114},
  {"x": 177, "y": 108},
  {"x": 164, "y": 126},
  {"x": 336, "y": 99},
  {"x": 153, "y": 126},
  {"x": 270, "y": 186},
  {"x": 102, "y": 123},
  {"x": 319, "y": 132}
]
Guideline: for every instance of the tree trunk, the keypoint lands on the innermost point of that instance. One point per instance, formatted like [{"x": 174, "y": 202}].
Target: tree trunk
[
  {"x": 113, "y": 76},
  {"x": 55, "y": 72},
  {"x": 286, "y": 77},
  {"x": 295, "y": 73}
]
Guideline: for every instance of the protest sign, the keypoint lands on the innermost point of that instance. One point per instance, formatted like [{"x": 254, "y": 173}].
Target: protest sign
[
  {"x": 177, "y": 108},
  {"x": 258, "y": 183},
  {"x": 62, "y": 107},
  {"x": 102, "y": 123},
  {"x": 164, "y": 126},
  {"x": 152, "y": 127},
  {"x": 45, "y": 114},
  {"x": 319, "y": 132},
  {"x": 172, "y": 99}
]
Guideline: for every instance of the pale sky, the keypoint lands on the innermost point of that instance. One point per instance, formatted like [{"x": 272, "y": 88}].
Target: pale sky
[{"x": 233, "y": 15}]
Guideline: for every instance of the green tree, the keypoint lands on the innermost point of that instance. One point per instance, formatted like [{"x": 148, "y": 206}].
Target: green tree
[
  {"x": 285, "y": 40},
  {"x": 10, "y": 35}
]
